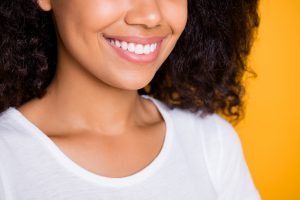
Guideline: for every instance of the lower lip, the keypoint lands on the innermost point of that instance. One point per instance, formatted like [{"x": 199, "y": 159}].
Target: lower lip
[{"x": 137, "y": 58}]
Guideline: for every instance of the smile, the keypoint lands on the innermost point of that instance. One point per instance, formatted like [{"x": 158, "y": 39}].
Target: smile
[{"x": 134, "y": 49}]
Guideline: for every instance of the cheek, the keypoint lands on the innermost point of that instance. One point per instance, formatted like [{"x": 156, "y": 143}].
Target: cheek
[
  {"x": 79, "y": 17},
  {"x": 175, "y": 13},
  {"x": 79, "y": 22}
]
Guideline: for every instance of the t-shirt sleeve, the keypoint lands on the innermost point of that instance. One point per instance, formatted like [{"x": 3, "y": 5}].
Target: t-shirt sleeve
[{"x": 227, "y": 164}]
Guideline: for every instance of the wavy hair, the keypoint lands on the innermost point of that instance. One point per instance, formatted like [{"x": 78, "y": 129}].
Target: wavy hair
[{"x": 203, "y": 72}]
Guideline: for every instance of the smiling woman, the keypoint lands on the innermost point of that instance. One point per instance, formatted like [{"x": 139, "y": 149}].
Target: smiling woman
[
  {"x": 82, "y": 25},
  {"x": 118, "y": 99}
]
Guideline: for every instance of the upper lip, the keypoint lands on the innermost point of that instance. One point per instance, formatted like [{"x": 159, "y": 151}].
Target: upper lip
[{"x": 137, "y": 40}]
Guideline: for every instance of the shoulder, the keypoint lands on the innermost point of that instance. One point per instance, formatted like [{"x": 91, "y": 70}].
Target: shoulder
[
  {"x": 8, "y": 125},
  {"x": 212, "y": 132},
  {"x": 211, "y": 126},
  {"x": 10, "y": 133},
  {"x": 212, "y": 136},
  {"x": 6, "y": 129},
  {"x": 9, "y": 122}
]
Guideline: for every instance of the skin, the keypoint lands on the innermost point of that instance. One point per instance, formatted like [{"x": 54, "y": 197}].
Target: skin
[{"x": 92, "y": 110}]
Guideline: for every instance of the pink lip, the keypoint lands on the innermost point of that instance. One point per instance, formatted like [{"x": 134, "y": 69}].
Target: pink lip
[{"x": 137, "y": 58}]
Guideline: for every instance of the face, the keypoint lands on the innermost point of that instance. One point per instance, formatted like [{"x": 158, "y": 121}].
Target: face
[{"x": 122, "y": 43}]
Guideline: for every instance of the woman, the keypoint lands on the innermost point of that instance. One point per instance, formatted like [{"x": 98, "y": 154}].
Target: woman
[{"x": 118, "y": 99}]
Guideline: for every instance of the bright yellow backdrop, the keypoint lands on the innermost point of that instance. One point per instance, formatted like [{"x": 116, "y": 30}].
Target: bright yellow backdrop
[{"x": 270, "y": 132}]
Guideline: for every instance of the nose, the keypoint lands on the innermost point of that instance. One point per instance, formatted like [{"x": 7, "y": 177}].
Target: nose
[{"x": 145, "y": 13}]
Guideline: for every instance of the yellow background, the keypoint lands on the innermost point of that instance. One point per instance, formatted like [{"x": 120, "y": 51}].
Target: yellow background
[{"x": 270, "y": 132}]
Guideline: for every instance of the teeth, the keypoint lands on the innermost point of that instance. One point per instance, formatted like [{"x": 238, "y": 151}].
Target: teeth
[
  {"x": 118, "y": 44},
  {"x": 130, "y": 47},
  {"x": 147, "y": 49},
  {"x": 124, "y": 45},
  {"x": 139, "y": 49},
  {"x": 134, "y": 48},
  {"x": 153, "y": 47}
]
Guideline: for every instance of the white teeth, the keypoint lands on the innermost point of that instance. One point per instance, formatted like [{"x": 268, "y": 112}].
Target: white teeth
[
  {"x": 153, "y": 47},
  {"x": 134, "y": 48},
  {"x": 147, "y": 49},
  {"x": 124, "y": 45},
  {"x": 139, "y": 49},
  {"x": 130, "y": 47},
  {"x": 118, "y": 44}
]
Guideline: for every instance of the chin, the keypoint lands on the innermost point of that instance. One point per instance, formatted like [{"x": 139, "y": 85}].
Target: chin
[{"x": 133, "y": 83}]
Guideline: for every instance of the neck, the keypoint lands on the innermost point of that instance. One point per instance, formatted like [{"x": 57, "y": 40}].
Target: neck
[{"x": 84, "y": 102}]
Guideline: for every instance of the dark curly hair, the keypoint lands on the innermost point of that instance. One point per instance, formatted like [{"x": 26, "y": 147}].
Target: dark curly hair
[{"x": 203, "y": 72}]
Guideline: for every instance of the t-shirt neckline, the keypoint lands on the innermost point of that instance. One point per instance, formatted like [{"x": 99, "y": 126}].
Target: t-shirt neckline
[{"x": 70, "y": 165}]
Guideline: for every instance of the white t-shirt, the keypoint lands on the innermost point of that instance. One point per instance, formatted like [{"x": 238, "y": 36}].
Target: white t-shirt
[{"x": 201, "y": 159}]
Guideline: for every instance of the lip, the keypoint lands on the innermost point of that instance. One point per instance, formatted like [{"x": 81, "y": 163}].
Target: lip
[{"x": 132, "y": 57}]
